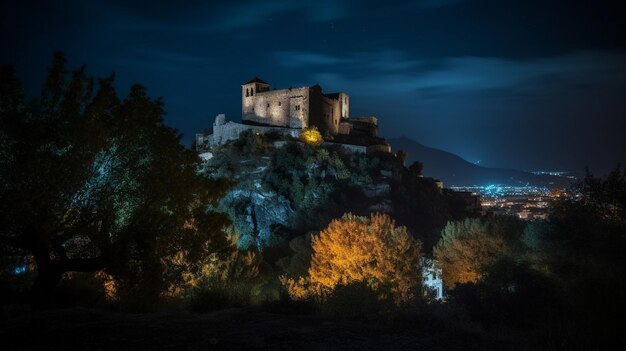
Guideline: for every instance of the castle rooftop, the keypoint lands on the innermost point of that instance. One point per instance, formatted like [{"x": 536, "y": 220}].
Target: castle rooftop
[{"x": 256, "y": 80}]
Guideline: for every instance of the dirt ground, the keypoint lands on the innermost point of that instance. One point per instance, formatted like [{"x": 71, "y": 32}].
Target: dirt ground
[{"x": 231, "y": 329}]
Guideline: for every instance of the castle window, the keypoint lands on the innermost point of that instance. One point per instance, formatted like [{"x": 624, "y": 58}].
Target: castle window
[
  {"x": 279, "y": 103},
  {"x": 251, "y": 91},
  {"x": 268, "y": 105},
  {"x": 247, "y": 92}
]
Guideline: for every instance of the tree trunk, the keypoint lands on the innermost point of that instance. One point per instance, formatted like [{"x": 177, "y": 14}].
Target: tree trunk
[
  {"x": 48, "y": 276},
  {"x": 49, "y": 273}
]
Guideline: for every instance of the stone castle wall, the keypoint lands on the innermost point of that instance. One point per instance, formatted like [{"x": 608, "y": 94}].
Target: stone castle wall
[
  {"x": 287, "y": 111},
  {"x": 224, "y": 131},
  {"x": 294, "y": 107},
  {"x": 283, "y": 108}
]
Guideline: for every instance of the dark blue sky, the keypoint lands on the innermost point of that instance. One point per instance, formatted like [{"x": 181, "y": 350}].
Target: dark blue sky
[{"x": 523, "y": 84}]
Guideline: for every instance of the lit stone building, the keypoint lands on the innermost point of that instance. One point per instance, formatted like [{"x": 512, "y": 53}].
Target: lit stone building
[
  {"x": 287, "y": 111},
  {"x": 294, "y": 107}
]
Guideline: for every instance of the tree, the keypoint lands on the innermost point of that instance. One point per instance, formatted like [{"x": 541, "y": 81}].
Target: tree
[
  {"x": 416, "y": 168},
  {"x": 356, "y": 249},
  {"x": 592, "y": 225},
  {"x": 402, "y": 156},
  {"x": 466, "y": 248},
  {"x": 92, "y": 183}
]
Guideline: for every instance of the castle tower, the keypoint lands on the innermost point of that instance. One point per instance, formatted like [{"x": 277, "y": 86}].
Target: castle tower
[{"x": 249, "y": 91}]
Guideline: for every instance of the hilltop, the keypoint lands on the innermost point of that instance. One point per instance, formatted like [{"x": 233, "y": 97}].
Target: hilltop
[{"x": 455, "y": 171}]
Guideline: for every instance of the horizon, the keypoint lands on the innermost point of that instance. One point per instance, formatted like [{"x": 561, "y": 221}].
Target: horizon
[{"x": 522, "y": 85}]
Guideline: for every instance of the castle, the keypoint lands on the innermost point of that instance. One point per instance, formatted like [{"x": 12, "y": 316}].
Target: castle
[{"x": 288, "y": 111}]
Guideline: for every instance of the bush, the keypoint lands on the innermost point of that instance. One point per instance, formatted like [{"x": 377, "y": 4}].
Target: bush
[
  {"x": 466, "y": 248},
  {"x": 356, "y": 249},
  {"x": 311, "y": 136},
  {"x": 215, "y": 295},
  {"x": 355, "y": 301}
]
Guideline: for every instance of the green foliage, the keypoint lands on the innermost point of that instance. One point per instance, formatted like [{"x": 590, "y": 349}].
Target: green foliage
[
  {"x": 89, "y": 168},
  {"x": 297, "y": 264},
  {"x": 534, "y": 236},
  {"x": 562, "y": 281},
  {"x": 593, "y": 224},
  {"x": 281, "y": 190},
  {"x": 250, "y": 143}
]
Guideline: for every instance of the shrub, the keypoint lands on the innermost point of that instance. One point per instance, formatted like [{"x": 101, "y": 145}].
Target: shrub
[
  {"x": 465, "y": 248},
  {"x": 356, "y": 249},
  {"x": 311, "y": 136},
  {"x": 213, "y": 295},
  {"x": 356, "y": 300}
]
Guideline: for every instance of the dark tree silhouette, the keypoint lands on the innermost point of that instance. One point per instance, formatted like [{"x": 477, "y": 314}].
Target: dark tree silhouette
[
  {"x": 416, "y": 169},
  {"x": 89, "y": 182}
]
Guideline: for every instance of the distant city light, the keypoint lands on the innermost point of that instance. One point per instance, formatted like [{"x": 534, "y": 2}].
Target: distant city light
[
  {"x": 527, "y": 202},
  {"x": 554, "y": 173},
  {"x": 499, "y": 190}
]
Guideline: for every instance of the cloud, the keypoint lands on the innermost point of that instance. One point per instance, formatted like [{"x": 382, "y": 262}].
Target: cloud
[
  {"x": 385, "y": 60},
  {"x": 393, "y": 72},
  {"x": 210, "y": 17},
  {"x": 480, "y": 73},
  {"x": 305, "y": 59},
  {"x": 436, "y": 3},
  {"x": 246, "y": 14}
]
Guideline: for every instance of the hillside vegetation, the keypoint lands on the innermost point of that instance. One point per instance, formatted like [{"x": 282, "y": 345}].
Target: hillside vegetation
[{"x": 284, "y": 188}]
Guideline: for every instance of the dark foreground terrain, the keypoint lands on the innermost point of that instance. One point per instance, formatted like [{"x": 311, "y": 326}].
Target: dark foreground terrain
[{"x": 232, "y": 329}]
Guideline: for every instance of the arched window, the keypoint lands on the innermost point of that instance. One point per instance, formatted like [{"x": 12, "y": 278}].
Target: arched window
[
  {"x": 247, "y": 92},
  {"x": 251, "y": 91}
]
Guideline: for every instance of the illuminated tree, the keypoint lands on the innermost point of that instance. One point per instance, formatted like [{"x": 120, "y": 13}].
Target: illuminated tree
[
  {"x": 356, "y": 249},
  {"x": 466, "y": 248},
  {"x": 311, "y": 136}
]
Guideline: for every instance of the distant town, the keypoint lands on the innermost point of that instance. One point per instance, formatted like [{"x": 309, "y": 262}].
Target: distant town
[{"x": 526, "y": 202}]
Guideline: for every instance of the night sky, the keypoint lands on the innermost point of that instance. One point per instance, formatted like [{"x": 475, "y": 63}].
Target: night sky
[{"x": 535, "y": 85}]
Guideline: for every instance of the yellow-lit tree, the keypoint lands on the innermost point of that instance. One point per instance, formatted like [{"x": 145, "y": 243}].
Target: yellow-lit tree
[
  {"x": 311, "y": 136},
  {"x": 360, "y": 249},
  {"x": 465, "y": 248}
]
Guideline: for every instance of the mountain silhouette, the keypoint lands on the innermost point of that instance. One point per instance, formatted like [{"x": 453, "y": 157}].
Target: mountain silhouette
[{"x": 455, "y": 171}]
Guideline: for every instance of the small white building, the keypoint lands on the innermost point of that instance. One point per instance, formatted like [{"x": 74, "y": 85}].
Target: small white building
[{"x": 432, "y": 279}]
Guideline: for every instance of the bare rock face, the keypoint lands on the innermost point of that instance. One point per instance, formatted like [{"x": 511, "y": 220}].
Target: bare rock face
[{"x": 255, "y": 214}]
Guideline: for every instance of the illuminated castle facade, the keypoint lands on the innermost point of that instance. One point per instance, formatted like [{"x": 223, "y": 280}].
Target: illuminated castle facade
[
  {"x": 288, "y": 111},
  {"x": 294, "y": 107}
]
